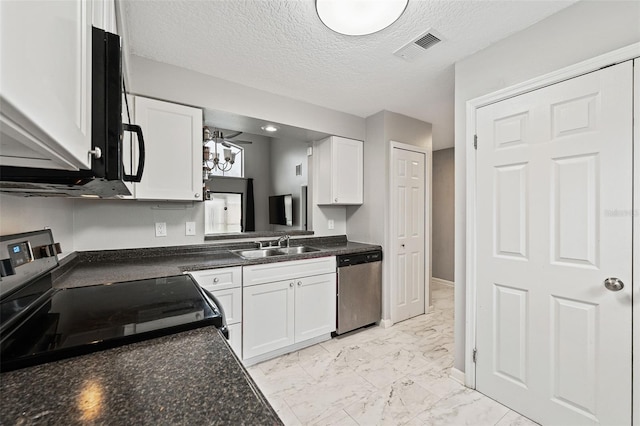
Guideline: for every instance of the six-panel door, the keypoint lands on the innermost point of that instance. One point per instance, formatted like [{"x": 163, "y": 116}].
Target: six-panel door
[{"x": 554, "y": 203}]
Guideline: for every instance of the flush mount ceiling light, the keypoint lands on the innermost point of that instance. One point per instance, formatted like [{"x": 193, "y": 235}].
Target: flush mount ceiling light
[
  {"x": 269, "y": 128},
  {"x": 359, "y": 17}
]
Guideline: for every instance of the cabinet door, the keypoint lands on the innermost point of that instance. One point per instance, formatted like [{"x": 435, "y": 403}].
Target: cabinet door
[
  {"x": 231, "y": 301},
  {"x": 173, "y": 145},
  {"x": 45, "y": 83},
  {"x": 235, "y": 338},
  {"x": 268, "y": 317},
  {"x": 315, "y": 306},
  {"x": 348, "y": 173},
  {"x": 338, "y": 171}
]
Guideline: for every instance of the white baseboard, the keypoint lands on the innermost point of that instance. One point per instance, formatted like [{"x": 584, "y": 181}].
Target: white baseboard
[
  {"x": 457, "y": 375},
  {"x": 386, "y": 323},
  {"x": 441, "y": 281}
]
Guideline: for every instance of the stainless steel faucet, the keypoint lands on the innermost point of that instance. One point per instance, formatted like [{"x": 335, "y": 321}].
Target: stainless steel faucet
[{"x": 281, "y": 239}]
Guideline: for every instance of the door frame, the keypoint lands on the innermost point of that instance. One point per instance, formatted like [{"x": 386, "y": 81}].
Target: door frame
[
  {"x": 620, "y": 55},
  {"x": 392, "y": 222}
]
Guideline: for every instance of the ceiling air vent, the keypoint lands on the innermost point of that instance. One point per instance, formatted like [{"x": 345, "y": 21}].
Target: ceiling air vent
[{"x": 415, "y": 47}]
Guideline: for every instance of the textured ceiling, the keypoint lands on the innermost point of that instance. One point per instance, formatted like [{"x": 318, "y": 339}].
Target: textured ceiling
[{"x": 282, "y": 47}]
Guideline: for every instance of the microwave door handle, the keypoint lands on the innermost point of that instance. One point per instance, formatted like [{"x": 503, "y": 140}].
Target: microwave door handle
[{"x": 141, "y": 155}]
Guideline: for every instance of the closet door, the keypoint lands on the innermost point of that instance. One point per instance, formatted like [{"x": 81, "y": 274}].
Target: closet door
[
  {"x": 636, "y": 240},
  {"x": 554, "y": 186}
]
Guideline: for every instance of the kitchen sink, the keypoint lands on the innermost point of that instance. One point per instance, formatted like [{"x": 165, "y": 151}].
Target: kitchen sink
[
  {"x": 298, "y": 250},
  {"x": 259, "y": 253},
  {"x": 273, "y": 251}
]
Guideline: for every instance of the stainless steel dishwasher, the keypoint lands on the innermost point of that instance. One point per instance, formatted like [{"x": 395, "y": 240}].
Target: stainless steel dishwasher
[{"x": 359, "y": 290}]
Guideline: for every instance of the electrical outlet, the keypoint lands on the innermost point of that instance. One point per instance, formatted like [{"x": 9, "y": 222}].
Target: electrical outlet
[
  {"x": 161, "y": 229},
  {"x": 330, "y": 224},
  {"x": 190, "y": 228}
]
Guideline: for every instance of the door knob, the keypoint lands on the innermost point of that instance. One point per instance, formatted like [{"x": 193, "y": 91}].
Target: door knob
[{"x": 613, "y": 284}]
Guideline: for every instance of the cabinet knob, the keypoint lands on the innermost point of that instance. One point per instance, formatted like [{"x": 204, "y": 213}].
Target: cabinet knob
[
  {"x": 336, "y": 200},
  {"x": 290, "y": 284},
  {"x": 299, "y": 283},
  {"x": 197, "y": 195},
  {"x": 216, "y": 279}
]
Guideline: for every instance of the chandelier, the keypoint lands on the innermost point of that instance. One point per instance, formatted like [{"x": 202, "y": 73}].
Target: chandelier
[{"x": 214, "y": 144}]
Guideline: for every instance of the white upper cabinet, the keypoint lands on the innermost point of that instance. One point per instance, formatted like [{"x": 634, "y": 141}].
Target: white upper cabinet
[
  {"x": 340, "y": 171},
  {"x": 173, "y": 147},
  {"x": 45, "y": 83}
]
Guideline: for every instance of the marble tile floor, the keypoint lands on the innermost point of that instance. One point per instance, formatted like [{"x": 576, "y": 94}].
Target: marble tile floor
[{"x": 378, "y": 376}]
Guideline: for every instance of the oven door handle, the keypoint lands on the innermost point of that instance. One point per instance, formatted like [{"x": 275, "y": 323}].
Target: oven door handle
[{"x": 141, "y": 154}]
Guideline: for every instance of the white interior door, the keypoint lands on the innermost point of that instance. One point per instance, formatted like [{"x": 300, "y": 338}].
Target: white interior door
[
  {"x": 636, "y": 242},
  {"x": 408, "y": 231},
  {"x": 554, "y": 189}
]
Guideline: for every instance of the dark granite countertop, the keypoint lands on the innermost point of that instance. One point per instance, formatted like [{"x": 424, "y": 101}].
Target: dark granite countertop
[
  {"x": 100, "y": 267},
  {"x": 186, "y": 378}
]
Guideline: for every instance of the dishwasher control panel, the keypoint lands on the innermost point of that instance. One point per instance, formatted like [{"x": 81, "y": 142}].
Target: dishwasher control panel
[{"x": 358, "y": 258}]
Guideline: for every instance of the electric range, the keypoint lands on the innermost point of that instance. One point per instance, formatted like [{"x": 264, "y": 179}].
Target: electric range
[{"x": 40, "y": 323}]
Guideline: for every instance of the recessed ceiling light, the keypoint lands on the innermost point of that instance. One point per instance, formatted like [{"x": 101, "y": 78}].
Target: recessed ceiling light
[
  {"x": 269, "y": 128},
  {"x": 359, "y": 17}
]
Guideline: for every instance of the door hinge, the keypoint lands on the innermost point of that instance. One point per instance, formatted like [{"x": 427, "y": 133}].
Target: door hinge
[
  {"x": 475, "y": 355},
  {"x": 475, "y": 141}
]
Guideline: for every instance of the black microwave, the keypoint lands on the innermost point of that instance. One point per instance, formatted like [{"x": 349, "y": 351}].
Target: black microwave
[{"x": 107, "y": 176}]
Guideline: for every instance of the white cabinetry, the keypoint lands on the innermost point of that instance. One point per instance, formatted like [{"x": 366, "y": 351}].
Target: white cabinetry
[
  {"x": 340, "y": 172},
  {"x": 268, "y": 317},
  {"x": 286, "y": 305},
  {"x": 226, "y": 285},
  {"x": 173, "y": 147},
  {"x": 45, "y": 83}
]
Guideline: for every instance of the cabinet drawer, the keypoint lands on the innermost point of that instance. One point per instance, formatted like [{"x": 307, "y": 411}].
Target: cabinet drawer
[
  {"x": 280, "y": 271},
  {"x": 218, "y": 279},
  {"x": 231, "y": 301}
]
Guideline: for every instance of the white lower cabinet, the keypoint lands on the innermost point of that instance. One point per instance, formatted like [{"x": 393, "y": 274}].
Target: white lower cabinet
[
  {"x": 268, "y": 317},
  {"x": 226, "y": 285},
  {"x": 235, "y": 338},
  {"x": 315, "y": 306},
  {"x": 281, "y": 313}
]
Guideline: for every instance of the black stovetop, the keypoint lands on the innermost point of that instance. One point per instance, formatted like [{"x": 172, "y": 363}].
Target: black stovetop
[{"x": 41, "y": 324}]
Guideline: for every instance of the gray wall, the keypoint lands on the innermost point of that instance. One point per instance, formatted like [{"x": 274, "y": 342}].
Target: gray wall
[
  {"x": 285, "y": 155},
  {"x": 115, "y": 224},
  {"x": 369, "y": 222},
  {"x": 175, "y": 84},
  {"x": 577, "y": 33},
  {"x": 443, "y": 214}
]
